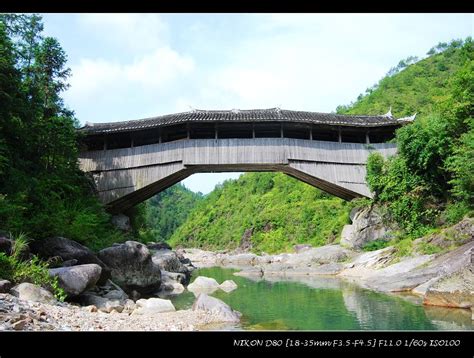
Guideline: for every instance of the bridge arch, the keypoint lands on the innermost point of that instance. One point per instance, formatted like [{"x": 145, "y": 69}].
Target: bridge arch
[{"x": 133, "y": 160}]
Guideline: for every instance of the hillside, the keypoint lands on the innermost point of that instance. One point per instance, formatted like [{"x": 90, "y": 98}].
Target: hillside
[
  {"x": 413, "y": 86},
  {"x": 166, "y": 211},
  {"x": 268, "y": 212},
  {"x": 272, "y": 212}
]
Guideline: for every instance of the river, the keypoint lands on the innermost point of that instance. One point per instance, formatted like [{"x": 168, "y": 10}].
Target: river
[{"x": 324, "y": 303}]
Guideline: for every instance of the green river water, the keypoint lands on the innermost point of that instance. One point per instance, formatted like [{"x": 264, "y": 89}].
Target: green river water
[{"x": 324, "y": 303}]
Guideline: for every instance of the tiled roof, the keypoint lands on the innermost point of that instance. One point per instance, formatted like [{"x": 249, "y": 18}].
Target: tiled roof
[{"x": 253, "y": 115}]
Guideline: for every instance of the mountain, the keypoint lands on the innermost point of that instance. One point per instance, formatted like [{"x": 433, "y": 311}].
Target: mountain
[
  {"x": 269, "y": 212},
  {"x": 166, "y": 211}
]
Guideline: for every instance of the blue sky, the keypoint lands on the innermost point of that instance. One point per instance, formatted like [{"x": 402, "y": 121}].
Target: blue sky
[{"x": 130, "y": 66}]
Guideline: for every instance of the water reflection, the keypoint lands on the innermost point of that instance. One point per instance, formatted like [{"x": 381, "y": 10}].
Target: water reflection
[{"x": 324, "y": 303}]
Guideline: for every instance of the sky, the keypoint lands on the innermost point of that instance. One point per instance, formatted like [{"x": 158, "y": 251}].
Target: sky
[{"x": 132, "y": 66}]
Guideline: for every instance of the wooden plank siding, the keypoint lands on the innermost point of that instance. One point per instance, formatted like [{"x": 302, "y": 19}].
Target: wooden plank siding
[{"x": 126, "y": 176}]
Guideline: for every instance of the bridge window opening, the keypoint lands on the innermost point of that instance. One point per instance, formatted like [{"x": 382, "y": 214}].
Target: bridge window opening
[
  {"x": 202, "y": 131},
  {"x": 267, "y": 130},
  {"x": 296, "y": 132},
  {"x": 235, "y": 130},
  {"x": 353, "y": 137},
  {"x": 325, "y": 135},
  {"x": 381, "y": 137},
  {"x": 145, "y": 137},
  {"x": 172, "y": 133},
  {"x": 94, "y": 143},
  {"x": 120, "y": 140}
]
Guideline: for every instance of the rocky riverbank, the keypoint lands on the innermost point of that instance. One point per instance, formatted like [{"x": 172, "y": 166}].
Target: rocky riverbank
[
  {"x": 123, "y": 287},
  {"x": 444, "y": 279}
]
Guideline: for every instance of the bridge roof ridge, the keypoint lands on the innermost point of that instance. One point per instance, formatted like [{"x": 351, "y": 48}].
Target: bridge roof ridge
[{"x": 243, "y": 115}]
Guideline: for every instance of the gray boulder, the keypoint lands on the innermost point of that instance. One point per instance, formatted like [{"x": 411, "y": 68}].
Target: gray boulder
[
  {"x": 132, "y": 267},
  {"x": 68, "y": 250},
  {"x": 76, "y": 279},
  {"x": 168, "y": 260},
  {"x": 101, "y": 303},
  {"x": 218, "y": 308},
  {"x": 454, "y": 290},
  {"x": 30, "y": 292},
  {"x": 5, "y": 286},
  {"x": 319, "y": 255},
  {"x": 228, "y": 286},
  {"x": 239, "y": 260},
  {"x": 121, "y": 222},
  {"x": 153, "y": 305},
  {"x": 203, "y": 284},
  {"x": 366, "y": 226}
]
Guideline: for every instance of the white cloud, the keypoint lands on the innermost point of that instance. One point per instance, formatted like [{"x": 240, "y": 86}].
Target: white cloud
[{"x": 109, "y": 85}]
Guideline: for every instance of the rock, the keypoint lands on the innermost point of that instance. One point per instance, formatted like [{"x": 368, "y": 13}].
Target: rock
[
  {"x": 228, "y": 286},
  {"x": 129, "y": 306},
  {"x": 456, "y": 235},
  {"x": 6, "y": 245},
  {"x": 211, "y": 304},
  {"x": 29, "y": 292},
  {"x": 76, "y": 279},
  {"x": 69, "y": 263},
  {"x": 301, "y": 247},
  {"x": 132, "y": 267},
  {"x": 121, "y": 222},
  {"x": 116, "y": 295},
  {"x": 5, "y": 286},
  {"x": 173, "y": 277},
  {"x": 158, "y": 246},
  {"x": 319, "y": 255},
  {"x": 90, "y": 309},
  {"x": 20, "y": 325},
  {"x": 113, "y": 305},
  {"x": 366, "y": 226},
  {"x": 410, "y": 273},
  {"x": 454, "y": 290},
  {"x": 203, "y": 284},
  {"x": 89, "y": 299},
  {"x": 69, "y": 250},
  {"x": 168, "y": 260},
  {"x": 153, "y": 305},
  {"x": 246, "y": 240},
  {"x": 170, "y": 288},
  {"x": 239, "y": 260}
]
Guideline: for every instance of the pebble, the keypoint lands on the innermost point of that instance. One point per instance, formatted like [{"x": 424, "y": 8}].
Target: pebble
[{"x": 19, "y": 315}]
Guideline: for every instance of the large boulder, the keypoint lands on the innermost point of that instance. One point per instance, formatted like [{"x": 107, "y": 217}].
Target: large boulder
[
  {"x": 153, "y": 305},
  {"x": 218, "y": 308},
  {"x": 68, "y": 250},
  {"x": 168, "y": 260},
  {"x": 132, "y": 267},
  {"x": 30, "y": 292},
  {"x": 318, "y": 256},
  {"x": 76, "y": 279},
  {"x": 203, "y": 284},
  {"x": 366, "y": 226},
  {"x": 455, "y": 290}
]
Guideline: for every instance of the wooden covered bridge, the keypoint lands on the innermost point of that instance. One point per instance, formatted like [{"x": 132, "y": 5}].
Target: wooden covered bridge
[{"x": 133, "y": 160}]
